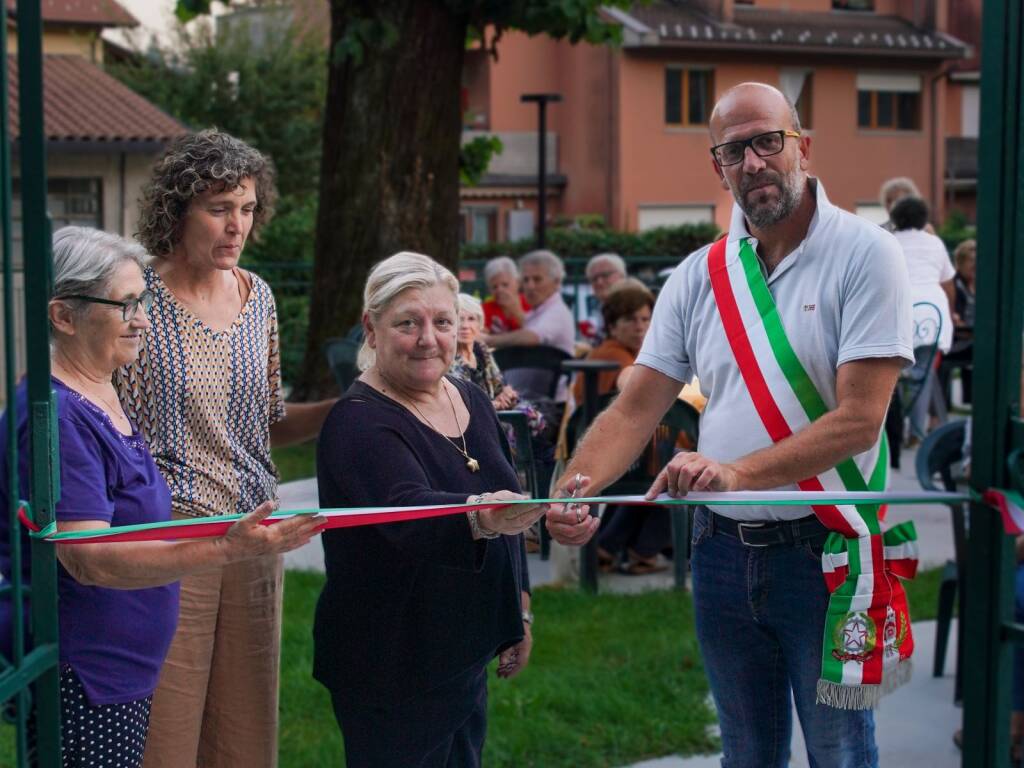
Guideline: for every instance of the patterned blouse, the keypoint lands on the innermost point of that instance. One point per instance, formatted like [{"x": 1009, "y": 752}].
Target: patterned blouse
[
  {"x": 204, "y": 400},
  {"x": 485, "y": 375}
]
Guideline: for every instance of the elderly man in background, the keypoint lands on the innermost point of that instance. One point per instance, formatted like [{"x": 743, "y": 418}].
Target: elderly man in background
[
  {"x": 505, "y": 309},
  {"x": 603, "y": 271},
  {"x": 548, "y": 323}
]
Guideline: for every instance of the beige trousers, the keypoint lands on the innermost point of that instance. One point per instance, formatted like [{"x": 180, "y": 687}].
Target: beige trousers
[{"x": 216, "y": 703}]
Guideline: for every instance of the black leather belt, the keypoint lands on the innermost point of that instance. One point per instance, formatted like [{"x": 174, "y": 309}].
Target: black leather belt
[{"x": 768, "y": 534}]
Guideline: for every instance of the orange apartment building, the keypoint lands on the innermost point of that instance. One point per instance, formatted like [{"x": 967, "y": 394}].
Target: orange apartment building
[{"x": 879, "y": 85}]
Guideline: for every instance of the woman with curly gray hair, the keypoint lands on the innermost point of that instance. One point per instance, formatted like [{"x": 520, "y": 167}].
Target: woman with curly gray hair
[{"x": 206, "y": 394}]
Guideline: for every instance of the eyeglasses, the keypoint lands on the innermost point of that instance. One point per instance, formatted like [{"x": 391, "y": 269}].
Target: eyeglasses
[
  {"x": 595, "y": 276},
  {"x": 764, "y": 145},
  {"x": 128, "y": 308}
]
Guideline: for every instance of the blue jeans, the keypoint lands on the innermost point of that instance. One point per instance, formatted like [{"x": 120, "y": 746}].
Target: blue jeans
[{"x": 760, "y": 615}]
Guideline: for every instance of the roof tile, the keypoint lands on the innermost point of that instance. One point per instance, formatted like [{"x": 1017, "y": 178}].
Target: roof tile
[{"x": 82, "y": 103}]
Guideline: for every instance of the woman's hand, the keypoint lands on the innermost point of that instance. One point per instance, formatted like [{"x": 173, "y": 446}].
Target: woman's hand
[
  {"x": 248, "y": 538},
  {"x": 506, "y": 398},
  {"x": 512, "y": 660},
  {"x": 511, "y": 519},
  {"x": 571, "y": 524}
]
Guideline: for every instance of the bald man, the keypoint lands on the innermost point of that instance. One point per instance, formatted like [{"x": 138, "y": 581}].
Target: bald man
[{"x": 836, "y": 290}]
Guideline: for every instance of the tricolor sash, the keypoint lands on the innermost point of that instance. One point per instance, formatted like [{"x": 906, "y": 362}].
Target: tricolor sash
[{"x": 867, "y": 640}]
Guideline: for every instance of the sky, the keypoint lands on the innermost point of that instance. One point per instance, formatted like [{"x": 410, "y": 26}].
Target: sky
[{"x": 156, "y": 19}]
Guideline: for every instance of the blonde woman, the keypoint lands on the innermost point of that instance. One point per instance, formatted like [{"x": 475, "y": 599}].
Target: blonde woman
[{"x": 413, "y": 612}]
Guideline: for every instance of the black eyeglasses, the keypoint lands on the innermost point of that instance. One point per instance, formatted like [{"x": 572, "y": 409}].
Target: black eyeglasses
[
  {"x": 128, "y": 308},
  {"x": 764, "y": 145}
]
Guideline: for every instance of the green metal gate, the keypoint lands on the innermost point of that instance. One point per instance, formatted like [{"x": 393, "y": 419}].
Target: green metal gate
[
  {"x": 998, "y": 430},
  {"x": 30, "y": 678}
]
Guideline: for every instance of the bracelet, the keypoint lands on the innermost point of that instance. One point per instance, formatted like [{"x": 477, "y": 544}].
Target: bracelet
[{"x": 477, "y": 530}]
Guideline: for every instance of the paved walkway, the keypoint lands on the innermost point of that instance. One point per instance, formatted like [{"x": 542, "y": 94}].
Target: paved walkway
[{"x": 914, "y": 725}]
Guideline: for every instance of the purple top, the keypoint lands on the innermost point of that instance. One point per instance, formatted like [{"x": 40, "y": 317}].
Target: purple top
[{"x": 114, "y": 639}]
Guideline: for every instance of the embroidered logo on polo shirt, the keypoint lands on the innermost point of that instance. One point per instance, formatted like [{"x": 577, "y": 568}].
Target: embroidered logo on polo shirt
[{"x": 809, "y": 307}]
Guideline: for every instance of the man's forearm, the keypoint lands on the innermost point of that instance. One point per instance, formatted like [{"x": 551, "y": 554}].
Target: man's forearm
[
  {"x": 611, "y": 444},
  {"x": 820, "y": 446}
]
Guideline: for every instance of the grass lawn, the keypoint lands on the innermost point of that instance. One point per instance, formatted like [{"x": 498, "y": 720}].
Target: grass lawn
[
  {"x": 295, "y": 462},
  {"x": 613, "y": 679}
]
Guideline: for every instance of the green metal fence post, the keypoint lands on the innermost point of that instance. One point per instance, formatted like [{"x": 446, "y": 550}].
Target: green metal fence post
[
  {"x": 38, "y": 276},
  {"x": 997, "y": 357}
]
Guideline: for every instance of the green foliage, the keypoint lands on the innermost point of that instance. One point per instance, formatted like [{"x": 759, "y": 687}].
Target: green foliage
[
  {"x": 580, "y": 243},
  {"x": 474, "y": 157},
  {"x": 363, "y": 34},
  {"x": 271, "y": 95},
  {"x": 578, "y": 20},
  {"x": 186, "y": 10},
  {"x": 955, "y": 229}
]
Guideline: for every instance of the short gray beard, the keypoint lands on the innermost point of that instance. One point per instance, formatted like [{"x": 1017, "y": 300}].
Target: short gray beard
[{"x": 765, "y": 216}]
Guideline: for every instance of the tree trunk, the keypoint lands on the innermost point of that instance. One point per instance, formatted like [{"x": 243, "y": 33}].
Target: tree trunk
[{"x": 389, "y": 177}]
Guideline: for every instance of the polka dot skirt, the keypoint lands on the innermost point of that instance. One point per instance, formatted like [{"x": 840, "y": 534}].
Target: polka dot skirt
[{"x": 107, "y": 736}]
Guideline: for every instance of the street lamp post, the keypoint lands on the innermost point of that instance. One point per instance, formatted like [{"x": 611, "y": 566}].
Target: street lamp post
[{"x": 541, "y": 100}]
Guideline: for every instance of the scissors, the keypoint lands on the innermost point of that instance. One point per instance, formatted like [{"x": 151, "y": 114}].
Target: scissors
[{"x": 577, "y": 481}]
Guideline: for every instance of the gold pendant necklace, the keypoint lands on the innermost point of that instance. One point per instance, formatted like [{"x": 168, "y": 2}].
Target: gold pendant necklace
[{"x": 471, "y": 464}]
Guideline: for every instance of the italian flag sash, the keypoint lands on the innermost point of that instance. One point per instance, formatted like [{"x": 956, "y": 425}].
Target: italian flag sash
[{"x": 867, "y": 640}]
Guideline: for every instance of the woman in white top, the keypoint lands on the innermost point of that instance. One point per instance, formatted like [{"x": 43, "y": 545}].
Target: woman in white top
[{"x": 931, "y": 280}]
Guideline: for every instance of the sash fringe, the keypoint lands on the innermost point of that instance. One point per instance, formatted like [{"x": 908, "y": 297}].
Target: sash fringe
[{"x": 842, "y": 696}]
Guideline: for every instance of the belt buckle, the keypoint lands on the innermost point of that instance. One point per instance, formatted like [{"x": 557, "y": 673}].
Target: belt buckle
[{"x": 742, "y": 527}]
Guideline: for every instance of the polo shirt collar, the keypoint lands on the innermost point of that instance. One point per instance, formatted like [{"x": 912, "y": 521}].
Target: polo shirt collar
[{"x": 824, "y": 211}]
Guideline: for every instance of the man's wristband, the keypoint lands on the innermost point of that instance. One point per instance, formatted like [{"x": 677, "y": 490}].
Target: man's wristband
[{"x": 527, "y": 616}]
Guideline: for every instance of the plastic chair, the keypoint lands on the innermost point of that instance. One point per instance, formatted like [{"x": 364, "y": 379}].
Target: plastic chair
[
  {"x": 939, "y": 452},
  {"x": 927, "y": 331},
  {"x": 341, "y": 356},
  {"x": 523, "y": 461},
  {"x": 541, "y": 358}
]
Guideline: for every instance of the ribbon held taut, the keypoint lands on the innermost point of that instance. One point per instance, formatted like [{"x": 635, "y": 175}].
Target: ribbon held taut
[
  {"x": 348, "y": 517},
  {"x": 868, "y": 641}
]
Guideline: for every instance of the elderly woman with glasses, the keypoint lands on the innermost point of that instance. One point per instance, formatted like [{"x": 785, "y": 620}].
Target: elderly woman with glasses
[
  {"x": 413, "y": 612},
  {"x": 207, "y": 395},
  {"x": 118, "y": 602}
]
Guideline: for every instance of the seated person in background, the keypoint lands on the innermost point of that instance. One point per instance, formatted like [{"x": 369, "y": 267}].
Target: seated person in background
[
  {"x": 965, "y": 258},
  {"x": 634, "y": 534},
  {"x": 548, "y": 323},
  {"x": 626, "y": 311},
  {"x": 505, "y": 309},
  {"x": 474, "y": 362},
  {"x": 604, "y": 272}
]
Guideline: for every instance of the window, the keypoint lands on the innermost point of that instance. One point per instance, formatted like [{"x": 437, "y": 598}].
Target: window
[
  {"x": 688, "y": 96},
  {"x": 478, "y": 225},
  {"x": 889, "y": 102},
  {"x": 69, "y": 201}
]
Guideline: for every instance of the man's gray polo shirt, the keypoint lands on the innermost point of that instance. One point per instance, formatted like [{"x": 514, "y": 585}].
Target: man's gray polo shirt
[{"x": 843, "y": 295}]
